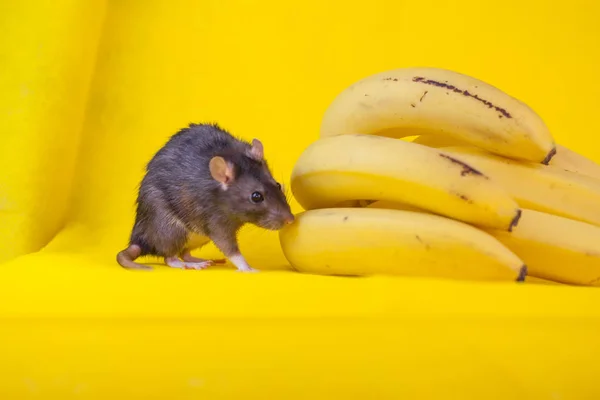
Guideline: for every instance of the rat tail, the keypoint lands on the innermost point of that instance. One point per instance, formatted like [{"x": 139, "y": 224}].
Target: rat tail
[{"x": 126, "y": 258}]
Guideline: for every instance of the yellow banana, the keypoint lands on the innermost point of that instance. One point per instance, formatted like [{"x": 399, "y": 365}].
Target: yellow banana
[
  {"x": 388, "y": 205},
  {"x": 437, "y": 141},
  {"x": 352, "y": 167},
  {"x": 554, "y": 248},
  {"x": 570, "y": 160},
  {"x": 564, "y": 158},
  {"x": 414, "y": 101},
  {"x": 362, "y": 241},
  {"x": 538, "y": 187}
]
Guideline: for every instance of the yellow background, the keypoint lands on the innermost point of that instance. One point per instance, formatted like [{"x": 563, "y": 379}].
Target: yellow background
[{"x": 90, "y": 90}]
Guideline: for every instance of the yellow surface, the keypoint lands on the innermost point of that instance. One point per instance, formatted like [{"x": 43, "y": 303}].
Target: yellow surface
[
  {"x": 47, "y": 56},
  {"x": 89, "y": 91}
]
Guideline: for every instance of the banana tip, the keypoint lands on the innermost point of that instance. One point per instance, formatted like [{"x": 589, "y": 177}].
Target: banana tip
[
  {"x": 515, "y": 220},
  {"x": 522, "y": 273},
  {"x": 549, "y": 156}
]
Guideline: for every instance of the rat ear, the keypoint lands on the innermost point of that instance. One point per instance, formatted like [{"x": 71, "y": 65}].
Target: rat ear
[
  {"x": 221, "y": 170},
  {"x": 256, "y": 151}
]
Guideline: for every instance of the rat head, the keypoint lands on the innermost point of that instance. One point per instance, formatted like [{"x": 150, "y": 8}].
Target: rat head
[{"x": 249, "y": 191}]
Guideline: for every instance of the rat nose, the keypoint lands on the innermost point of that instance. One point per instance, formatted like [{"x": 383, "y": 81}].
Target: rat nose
[{"x": 289, "y": 219}]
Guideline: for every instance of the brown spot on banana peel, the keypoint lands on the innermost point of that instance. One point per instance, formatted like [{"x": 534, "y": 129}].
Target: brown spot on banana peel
[
  {"x": 522, "y": 273},
  {"x": 549, "y": 156},
  {"x": 467, "y": 169},
  {"x": 515, "y": 220},
  {"x": 593, "y": 282},
  {"x": 366, "y": 203},
  {"x": 426, "y": 245},
  {"x": 425, "y": 81},
  {"x": 463, "y": 197}
]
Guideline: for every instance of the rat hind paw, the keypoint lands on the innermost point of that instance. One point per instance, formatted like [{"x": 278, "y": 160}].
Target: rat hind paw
[
  {"x": 197, "y": 265},
  {"x": 188, "y": 258},
  {"x": 175, "y": 262}
]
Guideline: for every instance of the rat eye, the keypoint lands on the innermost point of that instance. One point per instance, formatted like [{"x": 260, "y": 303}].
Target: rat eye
[
  {"x": 257, "y": 197},
  {"x": 278, "y": 185}
]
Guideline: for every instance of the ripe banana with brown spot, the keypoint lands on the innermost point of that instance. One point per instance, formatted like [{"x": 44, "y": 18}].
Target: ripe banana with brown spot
[
  {"x": 538, "y": 187},
  {"x": 554, "y": 248},
  {"x": 564, "y": 158},
  {"x": 360, "y": 241},
  {"x": 414, "y": 101},
  {"x": 353, "y": 167}
]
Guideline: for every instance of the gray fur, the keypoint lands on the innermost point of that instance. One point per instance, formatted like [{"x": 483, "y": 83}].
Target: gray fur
[{"x": 178, "y": 195}]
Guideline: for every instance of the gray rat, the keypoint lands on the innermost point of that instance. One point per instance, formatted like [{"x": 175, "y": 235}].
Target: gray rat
[{"x": 203, "y": 184}]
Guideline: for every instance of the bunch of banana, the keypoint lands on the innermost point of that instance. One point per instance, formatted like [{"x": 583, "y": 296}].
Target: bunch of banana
[{"x": 483, "y": 193}]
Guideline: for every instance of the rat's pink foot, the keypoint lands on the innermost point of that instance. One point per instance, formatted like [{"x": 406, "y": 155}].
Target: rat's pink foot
[
  {"x": 187, "y": 257},
  {"x": 199, "y": 265},
  {"x": 250, "y": 269},
  {"x": 175, "y": 262}
]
